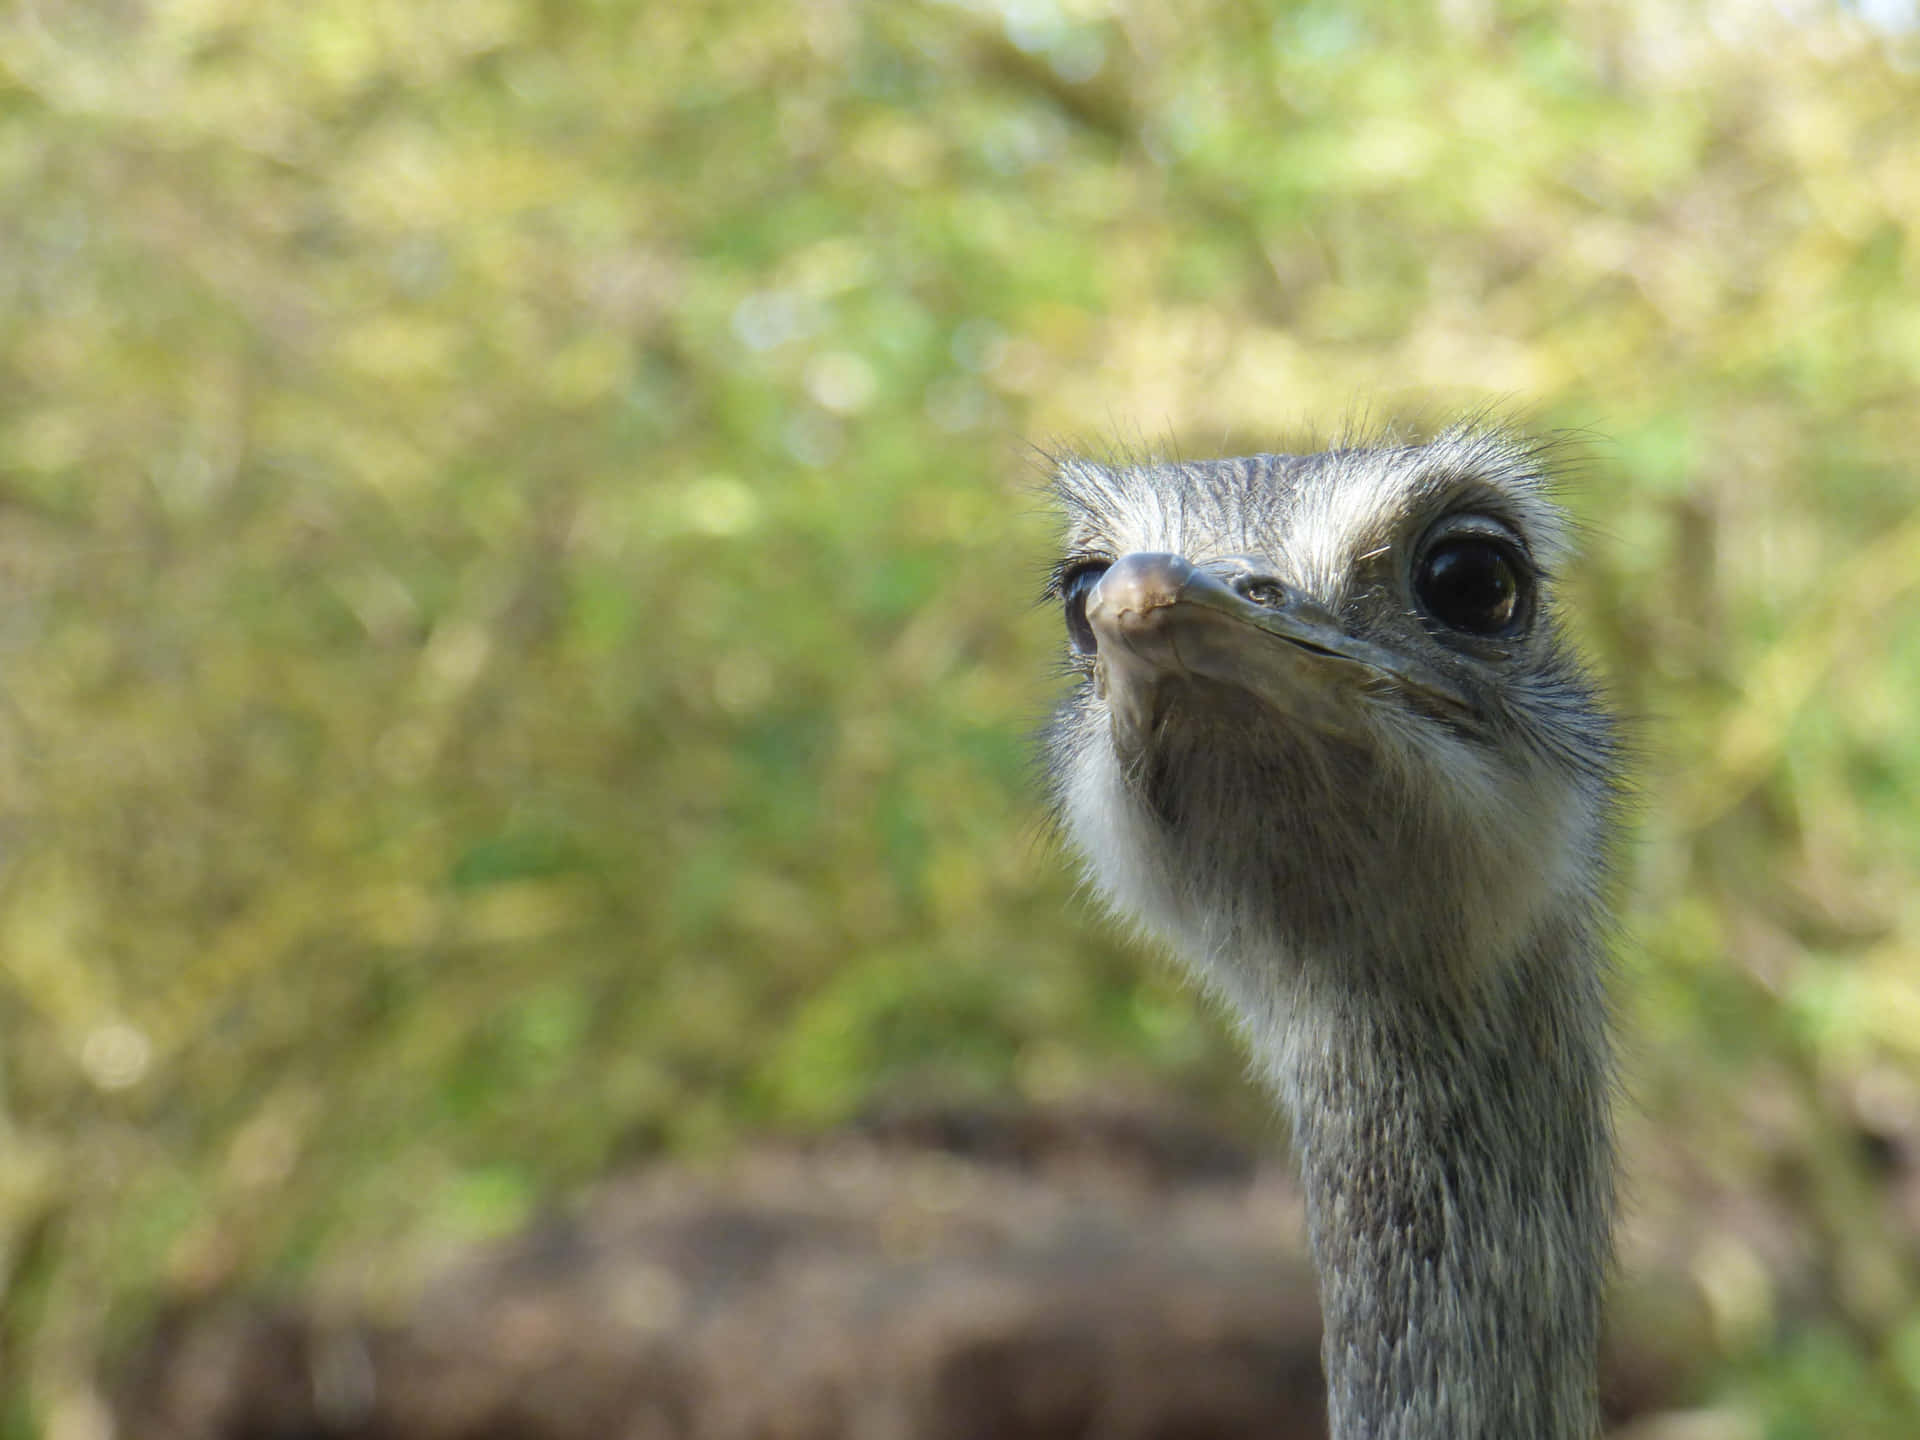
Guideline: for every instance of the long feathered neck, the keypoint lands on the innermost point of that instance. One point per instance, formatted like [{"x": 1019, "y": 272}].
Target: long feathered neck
[{"x": 1459, "y": 1174}]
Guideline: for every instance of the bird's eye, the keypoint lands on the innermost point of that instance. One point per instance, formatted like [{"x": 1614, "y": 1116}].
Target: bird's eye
[
  {"x": 1074, "y": 590},
  {"x": 1471, "y": 584}
]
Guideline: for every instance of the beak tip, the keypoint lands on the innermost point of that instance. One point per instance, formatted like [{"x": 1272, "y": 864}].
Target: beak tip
[{"x": 1136, "y": 585}]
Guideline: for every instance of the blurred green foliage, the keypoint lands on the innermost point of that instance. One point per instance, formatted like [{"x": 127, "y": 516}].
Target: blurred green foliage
[{"x": 518, "y": 534}]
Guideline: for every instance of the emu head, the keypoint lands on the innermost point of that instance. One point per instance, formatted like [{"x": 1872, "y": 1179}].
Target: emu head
[{"x": 1326, "y": 732}]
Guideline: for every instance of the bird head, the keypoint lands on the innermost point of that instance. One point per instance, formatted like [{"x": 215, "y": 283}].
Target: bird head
[{"x": 1324, "y": 711}]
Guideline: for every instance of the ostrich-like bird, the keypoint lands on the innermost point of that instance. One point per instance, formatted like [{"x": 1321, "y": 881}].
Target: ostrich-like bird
[{"x": 1329, "y": 744}]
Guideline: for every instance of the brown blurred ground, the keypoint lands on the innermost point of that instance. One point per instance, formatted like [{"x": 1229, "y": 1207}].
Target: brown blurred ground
[{"x": 1121, "y": 1273}]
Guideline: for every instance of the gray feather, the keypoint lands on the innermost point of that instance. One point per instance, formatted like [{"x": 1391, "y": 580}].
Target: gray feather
[{"x": 1404, "y": 909}]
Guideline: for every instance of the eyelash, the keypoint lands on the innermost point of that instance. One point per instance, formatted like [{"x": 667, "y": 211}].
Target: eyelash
[{"x": 1061, "y": 575}]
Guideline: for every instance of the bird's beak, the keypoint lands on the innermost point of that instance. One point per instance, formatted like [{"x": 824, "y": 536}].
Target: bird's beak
[{"x": 1158, "y": 617}]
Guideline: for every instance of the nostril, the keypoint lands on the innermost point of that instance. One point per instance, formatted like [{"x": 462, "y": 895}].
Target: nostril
[{"x": 1261, "y": 590}]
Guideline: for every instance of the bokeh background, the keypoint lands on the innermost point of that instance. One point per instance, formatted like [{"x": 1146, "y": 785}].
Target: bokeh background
[{"x": 519, "y": 533}]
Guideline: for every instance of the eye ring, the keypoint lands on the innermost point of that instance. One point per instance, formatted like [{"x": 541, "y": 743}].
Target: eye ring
[
  {"x": 1475, "y": 584},
  {"x": 1075, "y": 584}
]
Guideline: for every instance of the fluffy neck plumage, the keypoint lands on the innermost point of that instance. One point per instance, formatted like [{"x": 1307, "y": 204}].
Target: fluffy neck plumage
[{"x": 1458, "y": 1167}]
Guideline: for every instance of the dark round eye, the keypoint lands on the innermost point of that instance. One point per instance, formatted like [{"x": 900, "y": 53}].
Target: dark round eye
[
  {"x": 1471, "y": 584},
  {"x": 1073, "y": 593}
]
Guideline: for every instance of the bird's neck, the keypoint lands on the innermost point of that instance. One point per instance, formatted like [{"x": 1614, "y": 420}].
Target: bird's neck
[{"x": 1459, "y": 1176}]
